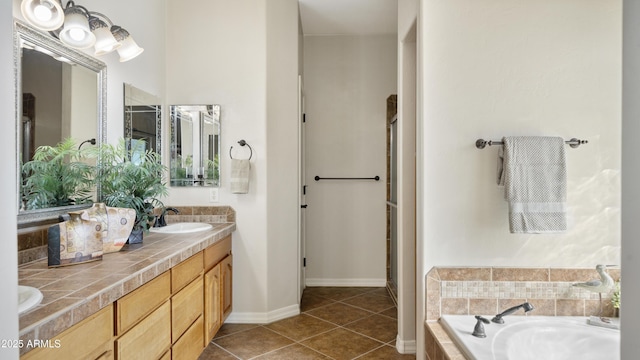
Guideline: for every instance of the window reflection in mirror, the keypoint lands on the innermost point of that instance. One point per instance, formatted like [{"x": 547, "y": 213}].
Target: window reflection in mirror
[
  {"x": 195, "y": 145},
  {"x": 142, "y": 120},
  {"x": 61, "y": 95}
]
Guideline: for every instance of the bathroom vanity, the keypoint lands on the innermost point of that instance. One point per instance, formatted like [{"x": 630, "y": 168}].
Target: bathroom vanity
[{"x": 164, "y": 299}]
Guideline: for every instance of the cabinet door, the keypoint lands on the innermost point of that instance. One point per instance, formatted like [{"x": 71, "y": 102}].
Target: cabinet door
[
  {"x": 226, "y": 272},
  {"x": 212, "y": 303}
]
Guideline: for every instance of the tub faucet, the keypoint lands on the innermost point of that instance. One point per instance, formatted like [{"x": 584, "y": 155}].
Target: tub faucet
[
  {"x": 161, "y": 220},
  {"x": 478, "y": 330},
  {"x": 525, "y": 306}
]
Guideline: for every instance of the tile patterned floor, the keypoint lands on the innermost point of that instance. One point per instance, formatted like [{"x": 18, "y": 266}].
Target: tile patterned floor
[{"x": 335, "y": 323}]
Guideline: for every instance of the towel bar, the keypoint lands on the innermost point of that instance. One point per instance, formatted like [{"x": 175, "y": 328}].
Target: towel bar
[
  {"x": 318, "y": 178},
  {"x": 482, "y": 143}
]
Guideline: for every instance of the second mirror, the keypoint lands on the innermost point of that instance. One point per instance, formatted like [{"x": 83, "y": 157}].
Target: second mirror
[{"x": 195, "y": 145}]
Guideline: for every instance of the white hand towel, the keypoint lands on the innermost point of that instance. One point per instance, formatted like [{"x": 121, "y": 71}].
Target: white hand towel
[
  {"x": 534, "y": 174},
  {"x": 240, "y": 172}
]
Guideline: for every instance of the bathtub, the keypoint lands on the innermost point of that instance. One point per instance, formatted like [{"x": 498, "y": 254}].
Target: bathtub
[{"x": 534, "y": 337}]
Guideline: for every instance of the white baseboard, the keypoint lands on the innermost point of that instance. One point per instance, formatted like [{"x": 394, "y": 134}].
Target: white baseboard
[
  {"x": 346, "y": 282},
  {"x": 264, "y": 317},
  {"x": 405, "y": 347}
]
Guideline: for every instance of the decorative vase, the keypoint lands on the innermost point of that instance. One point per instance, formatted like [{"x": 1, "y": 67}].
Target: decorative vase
[
  {"x": 136, "y": 236},
  {"x": 116, "y": 224},
  {"x": 74, "y": 241}
]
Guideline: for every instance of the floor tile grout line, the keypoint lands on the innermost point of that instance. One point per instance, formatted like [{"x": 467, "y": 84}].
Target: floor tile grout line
[
  {"x": 318, "y": 351},
  {"x": 369, "y": 352},
  {"x": 309, "y": 337},
  {"x": 332, "y": 301},
  {"x": 236, "y": 332},
  {"x": 225, "y": 350},
  {"x": 361, "y": 334},
  {"x": 272, "y": 351}
]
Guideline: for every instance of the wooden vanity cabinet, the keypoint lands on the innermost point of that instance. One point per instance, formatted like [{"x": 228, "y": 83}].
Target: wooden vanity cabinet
[
  {"x": 92, "y": 338},
  {"x": 173, "y": 316},
  {"x": 217, "y": 292},
  {"x": 226, "y": 276},
  {"x": 133, "y": 307},
  {"x": 149, "y": 339},
  {"x": 212, "y": 303},
  {"x": 187, "y": 301}
]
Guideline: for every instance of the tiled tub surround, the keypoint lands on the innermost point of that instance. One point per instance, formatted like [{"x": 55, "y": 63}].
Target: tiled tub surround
[
  {"x": 73, "y": 293},
  {"x": 32, "y": 241},
  {"x": 490, "y": 290}
]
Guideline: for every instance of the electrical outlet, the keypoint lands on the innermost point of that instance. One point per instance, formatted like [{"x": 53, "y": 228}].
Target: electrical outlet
[{"x": 213, "y": 195}]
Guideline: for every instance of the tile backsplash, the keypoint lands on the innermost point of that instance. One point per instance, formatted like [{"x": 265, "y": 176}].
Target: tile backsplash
[
  {"x": 490, "y": 290},
  {"x": 32, "y": 241}
]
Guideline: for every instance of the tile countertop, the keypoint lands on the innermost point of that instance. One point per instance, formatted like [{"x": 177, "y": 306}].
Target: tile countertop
[{"x": 73, "y": 293}]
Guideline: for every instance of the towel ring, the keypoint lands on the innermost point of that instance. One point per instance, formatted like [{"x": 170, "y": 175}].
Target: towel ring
[{"x": 242, "y": 143}]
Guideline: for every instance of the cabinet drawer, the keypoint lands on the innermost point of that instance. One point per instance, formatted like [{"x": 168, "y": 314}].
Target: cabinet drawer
[
  {"x": 216, "y": 252},
  {"x": 134, "y": 306},
  {"x": 183, "y": 273},
  {"x": 149, "y": 339},
  {"x": 190, "y": 345},
  {"x": 89, "y": 339},
  {"x": 186, "y": 306}
]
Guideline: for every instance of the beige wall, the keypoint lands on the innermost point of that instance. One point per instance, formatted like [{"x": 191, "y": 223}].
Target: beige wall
[
  {"x": 347, "y": 81},
  {"x": 8, "y": 217},
  {"x": 630, "y": 180},
  {"x": 246, "y": 61},
  {"x": 523, "y": 68},
  {"x": 497, "y": 68}
]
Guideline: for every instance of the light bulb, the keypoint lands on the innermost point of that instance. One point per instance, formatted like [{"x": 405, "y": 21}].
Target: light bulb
[
  {"x": 76, "y": 34},
  {"x": 42, "y": 12}
]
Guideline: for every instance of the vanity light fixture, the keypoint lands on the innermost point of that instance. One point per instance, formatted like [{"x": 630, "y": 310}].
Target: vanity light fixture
[
  {"x": 105, "y": 41},
  {"x": 129, "y": 48},
  {"x": 45, "y": 15},
  {"x": 80, "y": 28},
  {"x": 75, "y": 31}
]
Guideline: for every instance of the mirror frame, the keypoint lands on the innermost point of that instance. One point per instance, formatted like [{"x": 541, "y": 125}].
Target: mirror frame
[
  {"x": 23, "y": 31},
  {"x": 216, "y": 112},
  {"x": 128, "y": 126}
]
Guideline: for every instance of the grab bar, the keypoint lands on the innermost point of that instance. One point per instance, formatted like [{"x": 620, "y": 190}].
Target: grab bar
[{"x": 318, "y": 178}]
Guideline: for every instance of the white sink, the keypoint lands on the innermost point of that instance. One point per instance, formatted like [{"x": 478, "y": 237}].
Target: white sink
[
  {"x": 28, "y": 298},
  {"x": 182, "y": 228}
]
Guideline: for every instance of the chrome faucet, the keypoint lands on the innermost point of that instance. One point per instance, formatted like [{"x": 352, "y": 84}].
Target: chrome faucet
[
  {"x": 525, "y": 306},
  {"x": 161, "y": 221}
]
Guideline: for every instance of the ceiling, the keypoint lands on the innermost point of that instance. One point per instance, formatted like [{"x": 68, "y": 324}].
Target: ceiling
[{"x": 349, "y": 17}]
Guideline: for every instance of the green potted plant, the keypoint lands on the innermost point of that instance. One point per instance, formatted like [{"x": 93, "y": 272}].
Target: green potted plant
[
  {"x": 615, "y": 299},
  {"x": 132, "y": 180},
  {"x": 212, "y": 170},
  {"x": 57, "y": 176}
]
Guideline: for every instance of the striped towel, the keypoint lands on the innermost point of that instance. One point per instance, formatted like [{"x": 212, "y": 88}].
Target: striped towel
[{"x": 534, "y": 173}]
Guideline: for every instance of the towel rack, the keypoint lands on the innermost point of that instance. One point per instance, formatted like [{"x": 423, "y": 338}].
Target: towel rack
[
  {"x": 318, "y": 178},
  {"x": 242, "y": 143},
  {"x": 574, "y": 143}
]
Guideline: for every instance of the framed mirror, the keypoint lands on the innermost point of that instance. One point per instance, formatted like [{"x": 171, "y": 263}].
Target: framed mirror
[
  {"x": 60, "y": 94},
  {"x": 142, "y": 120},
  {"x": 195, "y": 145}
]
